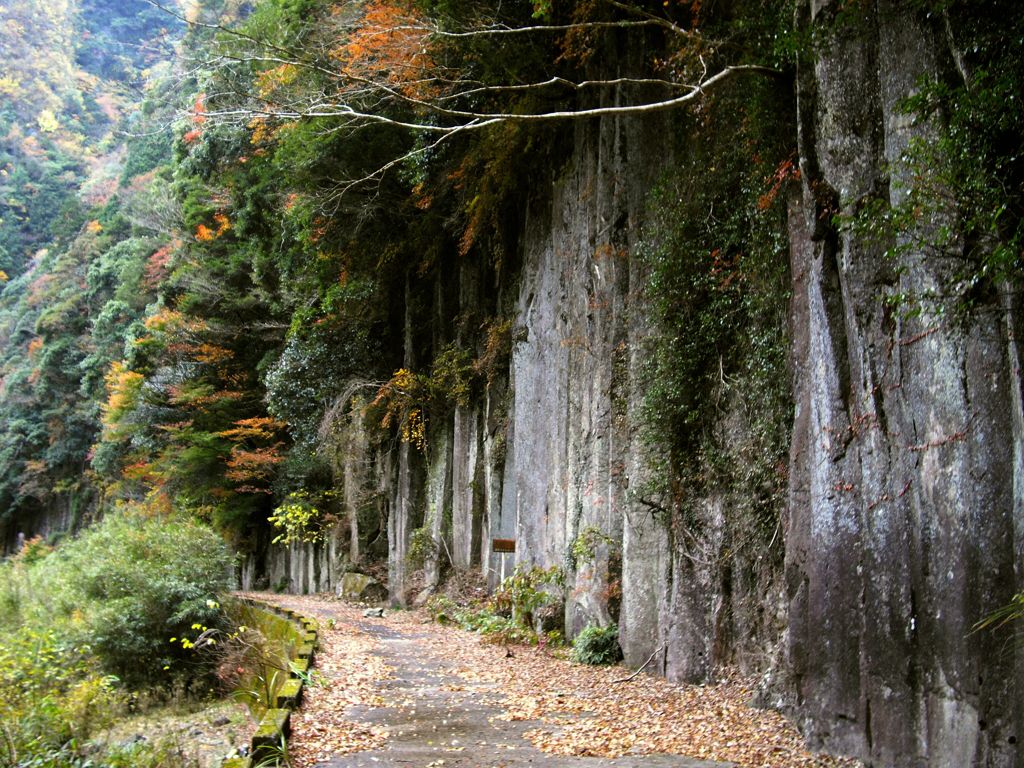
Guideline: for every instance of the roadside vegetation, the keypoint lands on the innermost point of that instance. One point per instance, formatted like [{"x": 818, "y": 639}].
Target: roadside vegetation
[
  {"x": 85, "y": 638},
  {"x": 527, "y": 609}
]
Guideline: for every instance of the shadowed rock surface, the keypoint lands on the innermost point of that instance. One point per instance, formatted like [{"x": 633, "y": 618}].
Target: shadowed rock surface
[{"x": 905, "y": 486}]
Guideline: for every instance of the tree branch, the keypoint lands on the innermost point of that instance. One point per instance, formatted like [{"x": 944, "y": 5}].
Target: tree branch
[
  {"x": 479, "y": 120},
  {"x": 547, "y": 28},
  {"x": 434, "y": 102},
  {"x": 642, "y": 666}
]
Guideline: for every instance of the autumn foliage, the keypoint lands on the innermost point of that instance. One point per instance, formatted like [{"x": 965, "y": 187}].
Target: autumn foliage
[
  {"x": 205, "y": 234},
  {"x": 390, "y": 45},
  {"x": 123, "y": 388}
]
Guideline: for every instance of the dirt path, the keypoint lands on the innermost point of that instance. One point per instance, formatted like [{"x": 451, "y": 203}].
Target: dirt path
[{"x": 401, "y": 691}]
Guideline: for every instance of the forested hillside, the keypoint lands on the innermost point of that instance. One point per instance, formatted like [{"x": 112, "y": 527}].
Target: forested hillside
[
  {"x": 87, "y": 121},
  {"x": 710, "y": 311}
]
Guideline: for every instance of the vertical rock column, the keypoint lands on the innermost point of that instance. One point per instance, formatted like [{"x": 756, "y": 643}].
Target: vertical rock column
[
  {"x": 439, "y": 501},
  {"x": 465, "y": 444},
  {"x": 405, "y": 512},
  {"x": 900, "y": 532}
]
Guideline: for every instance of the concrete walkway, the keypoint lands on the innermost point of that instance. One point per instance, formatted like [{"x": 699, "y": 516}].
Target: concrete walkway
[{"x": 438, "y": 719}]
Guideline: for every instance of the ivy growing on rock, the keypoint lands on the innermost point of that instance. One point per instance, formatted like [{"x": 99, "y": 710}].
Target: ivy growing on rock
[{"x": 717, "y": 400}]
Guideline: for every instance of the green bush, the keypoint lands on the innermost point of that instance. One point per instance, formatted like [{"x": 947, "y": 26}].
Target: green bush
[
  {"x": 50, "y": 695},
  {"x": 527, "y": 591},
  {"x": 128, "y": 585},
  {"x": 597, "y": 645},
  {"x": 481, "y": 619},
  {"x": 79, "y": 623}
]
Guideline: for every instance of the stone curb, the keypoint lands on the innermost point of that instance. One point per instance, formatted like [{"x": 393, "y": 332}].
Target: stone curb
[{"x": 274, "y": 728}]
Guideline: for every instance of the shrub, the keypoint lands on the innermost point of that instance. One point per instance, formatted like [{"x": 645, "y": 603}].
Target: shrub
[
  {"x": 509, "y": 615},
  {"x": 108, "y": 602},
  {"x": 496, "y": 628},
  {"x": 597, "y": 645},
  {"x": 128, "y": 585},
  {"x": 51, "y": 698},
  {"x": 527, "y": 591}
]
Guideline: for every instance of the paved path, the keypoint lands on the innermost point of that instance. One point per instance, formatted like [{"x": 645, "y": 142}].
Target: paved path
[{"x": 438, "y": 719}]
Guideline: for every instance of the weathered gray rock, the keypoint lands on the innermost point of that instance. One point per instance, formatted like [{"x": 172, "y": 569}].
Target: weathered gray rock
[
  {"x": 439, "y": 506},
  {"x": 901, "y": 530},
  {"x": 358, "y": 587}
]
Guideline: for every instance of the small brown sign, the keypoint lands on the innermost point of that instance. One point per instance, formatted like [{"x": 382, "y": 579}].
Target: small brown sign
[{"x": 503, "y": 545}]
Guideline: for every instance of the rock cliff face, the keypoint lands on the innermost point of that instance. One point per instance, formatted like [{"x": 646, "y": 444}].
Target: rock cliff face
[
  {"x": 904, "y": 522},
  {"x": 905, "y": 499}
]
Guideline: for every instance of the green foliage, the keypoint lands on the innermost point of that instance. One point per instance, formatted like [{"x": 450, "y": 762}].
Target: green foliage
[
  {"x": 1010, "y": 613},
  {"x": 124, "y": 36},
  {"x": 422, "y": 546},
  {"x": 508, "y": 615},
  {"x": 252, "y": 655},
  {"x": 955, "y": 194},
  {"x": 67, "y": 315},
  {"x": 51, "y": 356},
  {"x": 321, "y": 354},
  {"x": 51, "y": 698},
  {"x": 303, "y": 517},
  {"x": 717, "y": 267},
  {"x": 131, "y": 582},
  {"x": 584, "y": 546},
  {"x": 482, "y": 619},
  {"x": 597, "y": 645},
  {"x": 528, "y": 590},
  {"x": 451, "y": 376},
  {"x": 81, "y": 623}
]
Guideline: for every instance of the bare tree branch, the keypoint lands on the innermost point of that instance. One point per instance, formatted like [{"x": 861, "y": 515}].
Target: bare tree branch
[
  {"x": 400, "y": 86},
  {"x": 548, "y": 28},
  {"x": 561, "y": 81},
  {"x": 642, "y": 667},
  {"x": 479, "y": 120}
]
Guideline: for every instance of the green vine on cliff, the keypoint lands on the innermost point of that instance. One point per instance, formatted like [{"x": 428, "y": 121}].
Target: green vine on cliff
[
  {"x": 956, "y": 194},
  {"x": 716, "y": 407}
]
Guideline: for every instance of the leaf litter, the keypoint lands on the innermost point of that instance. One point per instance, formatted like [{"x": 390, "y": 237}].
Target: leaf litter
[{"x": 579, "y": 710}]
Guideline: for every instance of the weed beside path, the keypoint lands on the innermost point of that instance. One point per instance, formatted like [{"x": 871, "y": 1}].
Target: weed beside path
[{"x": 405, "y": 691}]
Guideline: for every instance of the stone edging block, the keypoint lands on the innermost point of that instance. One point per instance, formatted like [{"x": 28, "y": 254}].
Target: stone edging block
[
  {"x": 274, "y": 727},
  {"x": 289, "y": 695},
  {"x": 271, "y": 734}
]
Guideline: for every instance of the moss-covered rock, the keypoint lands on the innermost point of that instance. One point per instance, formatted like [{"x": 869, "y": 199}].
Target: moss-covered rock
[
  {"x": 359, "y": 587},
  {"x": 289, "y": 695},
  {"x": 271, "y": 734}
]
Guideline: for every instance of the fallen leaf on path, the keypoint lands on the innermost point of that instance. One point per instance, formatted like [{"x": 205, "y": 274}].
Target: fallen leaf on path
[{"x": 583, "y": 711}]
